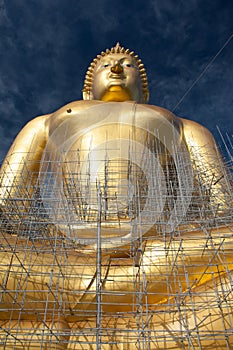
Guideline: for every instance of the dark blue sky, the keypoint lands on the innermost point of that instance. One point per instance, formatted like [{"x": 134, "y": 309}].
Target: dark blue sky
[{"x": 47, "y": 45}]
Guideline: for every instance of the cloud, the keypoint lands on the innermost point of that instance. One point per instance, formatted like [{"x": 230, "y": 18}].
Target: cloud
[
  {"x": 8, "y": 130},
  {"x": 164, "y": 8},
  {"x": 102, "y": 18},
  {"x": 4, "y": 20},
  {"x": 8, "y": 86},
  {"x": 4, "y": 142}
]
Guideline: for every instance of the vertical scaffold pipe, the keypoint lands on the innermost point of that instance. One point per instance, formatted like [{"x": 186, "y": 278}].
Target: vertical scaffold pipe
[{"x": 98, "y": 272}]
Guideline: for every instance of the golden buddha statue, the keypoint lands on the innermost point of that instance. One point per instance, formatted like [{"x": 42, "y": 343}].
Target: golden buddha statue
[{"x": 116, "y": 224}]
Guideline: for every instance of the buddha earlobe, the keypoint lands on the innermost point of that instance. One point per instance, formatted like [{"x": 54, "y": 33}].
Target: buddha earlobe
[
  {"x": 87, "y": 95},
  {"x": 146, "y": 96}
]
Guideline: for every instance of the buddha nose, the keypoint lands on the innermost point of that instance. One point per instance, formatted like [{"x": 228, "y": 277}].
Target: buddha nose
[{"x": 117, "y": 68}]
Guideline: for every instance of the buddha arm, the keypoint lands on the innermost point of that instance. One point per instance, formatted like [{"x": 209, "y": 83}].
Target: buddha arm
[
  {"x": 22, "y": 162},
  {"x": 211, "y": 173}
]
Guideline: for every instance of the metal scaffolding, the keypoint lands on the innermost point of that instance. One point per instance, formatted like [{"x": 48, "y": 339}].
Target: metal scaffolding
[{"x": 138, "y": 256}]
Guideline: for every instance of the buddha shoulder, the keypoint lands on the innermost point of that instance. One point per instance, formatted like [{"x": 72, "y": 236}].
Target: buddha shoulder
[
  {"x": 67, "y": 111},
  {"x": 197, "y": 134}
]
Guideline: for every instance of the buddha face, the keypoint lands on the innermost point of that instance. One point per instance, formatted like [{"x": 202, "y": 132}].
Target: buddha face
[{"x": 120, "y": 71}]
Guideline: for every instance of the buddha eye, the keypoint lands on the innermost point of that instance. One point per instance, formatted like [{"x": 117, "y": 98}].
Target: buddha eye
[{"x": 106, "y": 65}]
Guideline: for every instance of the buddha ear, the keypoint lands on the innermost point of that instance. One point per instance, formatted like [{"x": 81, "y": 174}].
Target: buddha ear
[
  {"x": 146, "y": 96},
  {"x": 87, "y": 95}
]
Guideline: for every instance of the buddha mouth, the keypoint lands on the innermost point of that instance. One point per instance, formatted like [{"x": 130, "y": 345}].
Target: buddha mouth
[{"x": 117, "y": 76}]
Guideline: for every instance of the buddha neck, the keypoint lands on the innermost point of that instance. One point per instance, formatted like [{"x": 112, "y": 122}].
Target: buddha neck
[{"x": 116, "y": 94}]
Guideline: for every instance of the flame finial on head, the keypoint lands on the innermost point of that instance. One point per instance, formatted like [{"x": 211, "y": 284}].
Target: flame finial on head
[{"x": 87, "y": 87}]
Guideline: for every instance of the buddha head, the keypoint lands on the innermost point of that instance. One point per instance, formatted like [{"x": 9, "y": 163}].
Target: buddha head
[{"x": 116, "y": 75}]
